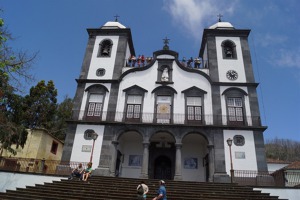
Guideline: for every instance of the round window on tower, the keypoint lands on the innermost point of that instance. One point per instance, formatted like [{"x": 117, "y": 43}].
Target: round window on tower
[
  {"x": 100, "y": 72},
  {"x": 239, "y": 140}
]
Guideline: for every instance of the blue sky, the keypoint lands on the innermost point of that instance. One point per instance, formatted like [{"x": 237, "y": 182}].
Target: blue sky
[{"x": 57, "y": 30}]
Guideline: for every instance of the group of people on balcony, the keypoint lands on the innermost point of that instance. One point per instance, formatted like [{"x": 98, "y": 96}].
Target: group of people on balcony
[
  {"x": 189, "y": 63},
  {"x": 140, "y": 61},
  {"x": 81, "y": 173}
]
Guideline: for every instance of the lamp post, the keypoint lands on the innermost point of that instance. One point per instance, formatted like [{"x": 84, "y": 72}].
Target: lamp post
[
  {"x": 229, "y": 142},
  {"x": 94, "y": 137}
]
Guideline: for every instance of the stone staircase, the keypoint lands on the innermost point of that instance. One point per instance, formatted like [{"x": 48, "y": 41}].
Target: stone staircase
[{"x": 112, "y": 188}]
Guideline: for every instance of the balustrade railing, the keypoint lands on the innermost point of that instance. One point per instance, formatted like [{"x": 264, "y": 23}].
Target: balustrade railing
[
  {"x": 278, "y": 178},
  {"x": 153, "y": 118},
  {"x": 39, "y": 166}
]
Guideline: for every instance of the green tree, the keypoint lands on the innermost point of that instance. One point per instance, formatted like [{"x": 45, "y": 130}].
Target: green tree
[
  {"x": 14, "y": 70},
  {"x": 40, "y": 106},
  {"x": 63, "y": 113}
]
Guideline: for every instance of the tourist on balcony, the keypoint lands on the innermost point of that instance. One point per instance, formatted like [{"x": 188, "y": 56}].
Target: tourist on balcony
[
  {"x": 143, "y": 60},
  {"x": 76, "y": 172},
  {"x": 189, "y": 62},
  {"x": 133, "y": 59},
  {"x": 87, "y": 172},
  {"x": 142, "y": 190},
  {"x": 162, "y": 192},
  {"x": 129, "y": 62},
  {"x": 197, "y": 62}
]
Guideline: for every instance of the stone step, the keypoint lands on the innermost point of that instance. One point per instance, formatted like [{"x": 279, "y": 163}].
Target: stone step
[{"x": 112, "y": 188}]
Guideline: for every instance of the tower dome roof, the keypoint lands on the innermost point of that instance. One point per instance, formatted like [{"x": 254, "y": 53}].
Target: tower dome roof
[
  {"x": 112, "y": 25},
  {"x": 222, "y": 25}
]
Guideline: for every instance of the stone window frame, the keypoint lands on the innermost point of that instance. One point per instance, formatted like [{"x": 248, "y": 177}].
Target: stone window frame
[
  {"x": 88, "y": 134},
  {"x": 239, "y": 140},
  {"x": 100, "y": 72}
]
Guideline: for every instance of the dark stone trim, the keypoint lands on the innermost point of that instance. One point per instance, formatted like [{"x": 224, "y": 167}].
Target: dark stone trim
[
  {"x": 124, "y": 31},
  {"x": 135, "y": 87},
  {"x": 194, "y": 88},
  {"x": 260, "y": 151},
  {"x": 164, "y": 88},
  {"x": 238, "y": 89},
  {"x": 221, "y": 32},
  {"x": 235, "y": 84},
  {"x": 96, "y": 81},
  {"x": 97, "y": 86},
  {"x": 69, "y": 141},
  {"x": 223, "y": 127},
  {"x": 247, "y": 60}
]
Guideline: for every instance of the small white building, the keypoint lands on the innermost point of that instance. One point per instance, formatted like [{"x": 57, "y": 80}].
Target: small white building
[{"x": 163, "y": 117}]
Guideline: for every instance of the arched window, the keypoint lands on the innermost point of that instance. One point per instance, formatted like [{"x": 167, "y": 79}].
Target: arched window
[
  {"x": 134, "y": 103},
  {"x": 105, "y": 48},
  {"x": 194, "y": 98},
  {"x": 229, "y": 50},
  {"x": 94, "y": 106},
  {"x": 235, "y": 106}
]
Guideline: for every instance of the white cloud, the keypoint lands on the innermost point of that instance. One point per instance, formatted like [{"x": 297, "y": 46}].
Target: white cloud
[
  {"x": 268, "y": 40},
  {"x": 193, "y": 15},
  {"x": 287, "y": 58}
]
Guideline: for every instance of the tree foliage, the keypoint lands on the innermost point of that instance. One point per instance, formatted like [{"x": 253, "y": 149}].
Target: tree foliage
[
  {"x": 38, "y": 109},
  {"x": 40, "y": 106},
  {"x": 14, "y": 68},
  {"x": 283, "y": 149}
]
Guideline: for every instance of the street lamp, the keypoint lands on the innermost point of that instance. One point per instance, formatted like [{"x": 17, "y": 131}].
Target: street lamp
[
  {"x": 94, "y": 137},
  {"x": 229, "y": 142}
]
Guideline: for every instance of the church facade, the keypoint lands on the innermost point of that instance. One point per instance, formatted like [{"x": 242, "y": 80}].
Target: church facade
[{"x": 164, "y": 117}]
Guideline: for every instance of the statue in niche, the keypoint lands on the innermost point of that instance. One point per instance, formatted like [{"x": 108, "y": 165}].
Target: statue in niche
[{"x": 165, "y": 75}]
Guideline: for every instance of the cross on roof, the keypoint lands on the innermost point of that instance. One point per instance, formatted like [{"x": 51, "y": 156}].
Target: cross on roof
[
  {"x": 166, "y": 42},
  {"x": 220, "y": 17},
  {"x": 116, "y": 17}
]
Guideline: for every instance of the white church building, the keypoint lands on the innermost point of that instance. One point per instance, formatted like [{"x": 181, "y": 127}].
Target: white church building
[{"x": 164, "y": 117}]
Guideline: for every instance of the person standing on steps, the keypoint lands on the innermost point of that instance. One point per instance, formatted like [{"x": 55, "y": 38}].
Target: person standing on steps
[
  {"x": 162, "y": 192},
  {"x": 142, "y": 190}
]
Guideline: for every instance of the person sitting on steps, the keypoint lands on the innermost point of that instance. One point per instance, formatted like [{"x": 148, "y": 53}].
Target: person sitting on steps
[
  {"x": 76, "y": 172},
  {"x": 87, "y": 172}
]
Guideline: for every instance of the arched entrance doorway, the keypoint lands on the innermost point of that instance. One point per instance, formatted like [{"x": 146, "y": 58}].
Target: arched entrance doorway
[
  {"x": 163, "y": 168},
  {"x": 162, "y": 154}
]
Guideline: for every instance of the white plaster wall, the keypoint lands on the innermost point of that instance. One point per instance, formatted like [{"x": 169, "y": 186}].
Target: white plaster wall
[
  {"x": 249, "y": 163},
  {"x": 11, "y": 181},
  {"x": 272, "y": 167},
  {"x": 194, "y": 148},
  {"x": 223, "y": 105},
  {"x": 130, "y": 147},
  {"x": 282, "y": 193},
  {"x": 230, "y": 64},
  {"x": 103, "y": 62},
  {"x": 77, "y": 154},
  {"x": 182, "y": 81}
]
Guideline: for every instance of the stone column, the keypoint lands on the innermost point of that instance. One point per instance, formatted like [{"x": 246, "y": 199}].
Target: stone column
[
  {"x": 112, "y": 168},
  {"x": 178, "y": 175},
  {"x": 211, "y": 162},
  {"x": 144, "y": 172}
]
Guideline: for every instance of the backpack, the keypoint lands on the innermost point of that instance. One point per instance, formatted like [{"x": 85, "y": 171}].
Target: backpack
[{"x": 140, "y": 190}]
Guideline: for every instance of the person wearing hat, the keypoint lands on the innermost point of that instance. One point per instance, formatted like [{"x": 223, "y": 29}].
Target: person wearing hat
[{"x": 162, "y": 192}]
